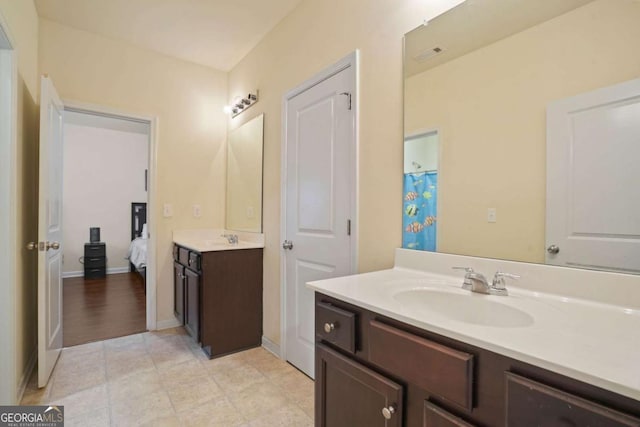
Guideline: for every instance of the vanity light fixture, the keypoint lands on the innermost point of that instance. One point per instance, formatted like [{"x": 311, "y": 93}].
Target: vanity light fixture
[{"x": 241, "y": 104}]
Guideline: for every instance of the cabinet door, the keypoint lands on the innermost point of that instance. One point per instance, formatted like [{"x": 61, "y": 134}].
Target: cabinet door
[
  {"x": 178, "y": 292},
  {"x": 192, "y": 304},
  {"x": 349, "y": 394}
]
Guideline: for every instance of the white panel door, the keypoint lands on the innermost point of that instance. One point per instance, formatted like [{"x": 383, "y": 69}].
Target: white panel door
[
  {"x": 593, "y": 178},
  {"x": 49, "y": 232},
  {"x": 319, "y": 138}
]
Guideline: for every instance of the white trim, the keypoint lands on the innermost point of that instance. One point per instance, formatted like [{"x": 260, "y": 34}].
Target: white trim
[
  {"x": 351, "y": 60},
  {"x": 26, "y": 375},
  {"x": 9, "y": 245},
  {"x": 167, "y": 324},
  {"x": 80, "y": 273},
  {"x": 151, "y": 302},
  {"x": 271, "y": 347}
]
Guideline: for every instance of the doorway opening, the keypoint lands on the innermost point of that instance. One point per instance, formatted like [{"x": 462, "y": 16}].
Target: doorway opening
[{"x": 106, "y": 241}]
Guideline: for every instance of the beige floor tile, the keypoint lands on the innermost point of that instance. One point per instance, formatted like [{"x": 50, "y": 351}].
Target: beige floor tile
[
  {"x": 93, "y": 418},
  {"x": 77, "y": 404},
  {"x": 308, "y": 405},
  {"x": 188, "y": 394},
  {"x": 224, "y": 364},
  {"x": 169, "y": 351},
  {"x": 284, "y": 416},
  {"x": 125, "y": 363},
  {"x": 257, "y": 400},
  {"x": 169, "y": 421},
  {"x": 127, "y": 341},
  {"x": 141, "y": 410},
  {"x": 34, "y": 395},
  {"x": 237, "y": 379},
  {"x": 273, "y": 367},
  {"x": 69, "y": 380},
  {"x": 185, "y": 371},
  {"x": 137, "y": 384},
  {"x": 218, "y": 412}
]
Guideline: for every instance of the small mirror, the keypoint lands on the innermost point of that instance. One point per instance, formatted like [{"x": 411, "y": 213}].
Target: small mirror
[{"x": 244, "y": 177}]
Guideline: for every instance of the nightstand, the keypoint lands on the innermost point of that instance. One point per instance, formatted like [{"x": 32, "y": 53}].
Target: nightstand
[{"x": 95, "y": 260}]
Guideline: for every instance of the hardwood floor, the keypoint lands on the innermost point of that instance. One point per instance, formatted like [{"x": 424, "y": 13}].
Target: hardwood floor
[{"x": 98, "y": 309}]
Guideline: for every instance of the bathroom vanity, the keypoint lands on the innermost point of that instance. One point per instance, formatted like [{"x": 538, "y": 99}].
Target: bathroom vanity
[
  {"x": 408, "y": 347},
  {"x": 218, "y": 289}
]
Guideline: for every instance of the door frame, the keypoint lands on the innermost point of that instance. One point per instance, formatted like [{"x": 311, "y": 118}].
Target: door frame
[
  {"x": 152, "y": 121},
  {"x": 9, "y": 246},
  {"x": 352, "y": 60}
]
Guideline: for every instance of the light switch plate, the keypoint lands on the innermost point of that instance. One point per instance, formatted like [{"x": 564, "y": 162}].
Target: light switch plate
[
  {"x": 167, "y": 210},
  {"x": 250, "y": 212},
  {"x": 491, "y": 215},
  {"x": 197, "y": 211}
]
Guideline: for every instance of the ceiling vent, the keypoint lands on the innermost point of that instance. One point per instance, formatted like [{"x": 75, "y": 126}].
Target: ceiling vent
[{"x": 428, "y": 53}]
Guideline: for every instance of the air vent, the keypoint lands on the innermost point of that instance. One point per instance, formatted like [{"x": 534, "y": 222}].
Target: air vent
[{"x": 428, "y": 53}]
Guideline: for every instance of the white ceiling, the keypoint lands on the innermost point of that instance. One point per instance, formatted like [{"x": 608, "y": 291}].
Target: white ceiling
[
  {"x": 214, "y": 33},
  {"x": 477, "y": 23}
]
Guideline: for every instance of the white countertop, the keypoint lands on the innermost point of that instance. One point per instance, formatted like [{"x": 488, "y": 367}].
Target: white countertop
[
  {"x": 210, "y": 240},
  {"x": 591, "y": 341}
]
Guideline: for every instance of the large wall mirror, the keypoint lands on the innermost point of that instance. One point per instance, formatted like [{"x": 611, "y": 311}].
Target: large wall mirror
[
  {"x": 522, "y": 132},
  {"x": 244, "y": 177}
]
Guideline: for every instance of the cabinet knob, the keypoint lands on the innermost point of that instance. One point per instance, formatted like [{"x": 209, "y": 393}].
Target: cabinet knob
[
  {"x": 388, "y": 411},
  {"x": 328, "y": 327}
]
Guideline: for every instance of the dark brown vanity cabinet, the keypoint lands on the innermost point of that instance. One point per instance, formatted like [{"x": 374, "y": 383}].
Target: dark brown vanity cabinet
[
  {"x": 218, "y": 298},
  {"x": 373, "y": 370}
]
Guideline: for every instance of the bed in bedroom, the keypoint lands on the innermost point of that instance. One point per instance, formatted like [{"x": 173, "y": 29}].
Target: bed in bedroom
[{"x": 137, "y": 255}]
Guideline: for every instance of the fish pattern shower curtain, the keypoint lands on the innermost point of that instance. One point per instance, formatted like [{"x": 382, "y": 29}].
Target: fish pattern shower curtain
[{"x": 419, "y": 211}]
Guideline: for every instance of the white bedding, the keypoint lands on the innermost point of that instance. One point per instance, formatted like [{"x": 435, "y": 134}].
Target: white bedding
[{"x": 138, "y": 253}]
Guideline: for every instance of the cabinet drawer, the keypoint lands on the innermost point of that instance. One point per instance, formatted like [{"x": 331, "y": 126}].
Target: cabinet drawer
[
  {"x": 183, "y": 256},
  {"x": 95, "y": 249},
  {"x": 434, "y": 416},
  {"x": 436, "y": 368},
  {"x": 336, "y": 326},
  {"x": 95, "y": 273},
  {"x": 530, "y": 403},
  {"x": 95, "y": 261},
  {"x": 194, "y": 261}
]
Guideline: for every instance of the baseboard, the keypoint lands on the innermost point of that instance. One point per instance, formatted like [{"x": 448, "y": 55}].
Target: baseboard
[
  {"x": 166, "y": 324},
  {"x": 114, "y": 270},
  {"x": 26, "y": 375},
  {"x": 271, "y": 347}
]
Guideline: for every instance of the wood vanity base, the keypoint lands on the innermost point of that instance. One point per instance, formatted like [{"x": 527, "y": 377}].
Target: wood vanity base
[{"x": 430, "y": 380}]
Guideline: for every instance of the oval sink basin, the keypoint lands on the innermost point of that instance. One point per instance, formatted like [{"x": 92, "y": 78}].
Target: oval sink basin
[{"x": 469, "y": 308}]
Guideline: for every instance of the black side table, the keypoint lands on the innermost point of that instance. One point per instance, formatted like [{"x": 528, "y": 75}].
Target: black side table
[{"x": 95, "y": 260}]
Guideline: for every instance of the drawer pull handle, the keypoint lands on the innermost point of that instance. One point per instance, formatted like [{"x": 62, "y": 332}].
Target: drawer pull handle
[
  {"x": 328, "y": 327},
  {"x": 388, "y": 411}
]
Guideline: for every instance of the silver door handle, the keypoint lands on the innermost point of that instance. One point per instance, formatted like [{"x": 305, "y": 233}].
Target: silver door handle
[
  {"x": 53, "y": 245},
  {"x": 287, "y": 244},
  {"x": 553, "y": 249},
  {"x": 32, "y": 246}
]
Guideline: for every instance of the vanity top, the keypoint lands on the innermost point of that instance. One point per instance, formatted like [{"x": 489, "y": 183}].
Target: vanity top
[
  {"x": 578, "y": 333},
  {"x": 210, "y": 240}
]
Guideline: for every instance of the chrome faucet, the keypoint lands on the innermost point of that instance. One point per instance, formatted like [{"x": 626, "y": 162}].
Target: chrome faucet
[
  {"x": 476, "y": 282},
  {"x": 231, "y": 238}
]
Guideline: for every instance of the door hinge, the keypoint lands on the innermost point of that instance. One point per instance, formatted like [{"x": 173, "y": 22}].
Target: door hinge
[
  {"x": 348, "y": 227},
  {"x": 348, "y": 94}
]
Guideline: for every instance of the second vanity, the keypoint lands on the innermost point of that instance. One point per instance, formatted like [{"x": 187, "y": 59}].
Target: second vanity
[
  {"x": 409, "y": 347},
  {"x": 218, "y": 288}
]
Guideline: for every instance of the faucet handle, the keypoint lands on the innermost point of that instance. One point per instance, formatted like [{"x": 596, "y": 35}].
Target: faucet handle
[
  {"x": 467, "y": 281},
  {"x": 498, "y": 279}
]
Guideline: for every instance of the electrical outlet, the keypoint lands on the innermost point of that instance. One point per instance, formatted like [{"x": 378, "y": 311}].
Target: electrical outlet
[
  {"x": 197, "y": 211},
  {"x": 491, "y": 215},
  {"x": 167, "y": 210},
  {"x": 250, "y": 213}
]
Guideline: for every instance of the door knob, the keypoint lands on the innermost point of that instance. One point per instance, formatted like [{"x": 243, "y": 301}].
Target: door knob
[
  {"x": 553, "y": 249},
  {"x": 53, "y": 245},
  {"x": 388, "y": 411},
  {"x": 287, "y": 244},
  {"x": 32, "y": 246}
]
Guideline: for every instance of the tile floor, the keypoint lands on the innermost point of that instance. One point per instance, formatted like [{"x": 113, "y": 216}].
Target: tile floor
[{"x": 164, "y": 379}]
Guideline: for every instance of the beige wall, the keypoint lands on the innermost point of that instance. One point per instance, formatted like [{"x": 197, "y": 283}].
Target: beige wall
[
  {"x": 315, "y": 35},
  {"x": 489, "y": 107},
  {"x": 186, "y": 98},
  {"x": 22, "y": 20}
]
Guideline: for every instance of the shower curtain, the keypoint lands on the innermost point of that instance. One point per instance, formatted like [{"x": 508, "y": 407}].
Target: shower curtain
[{"x": 419, "y": 211}]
